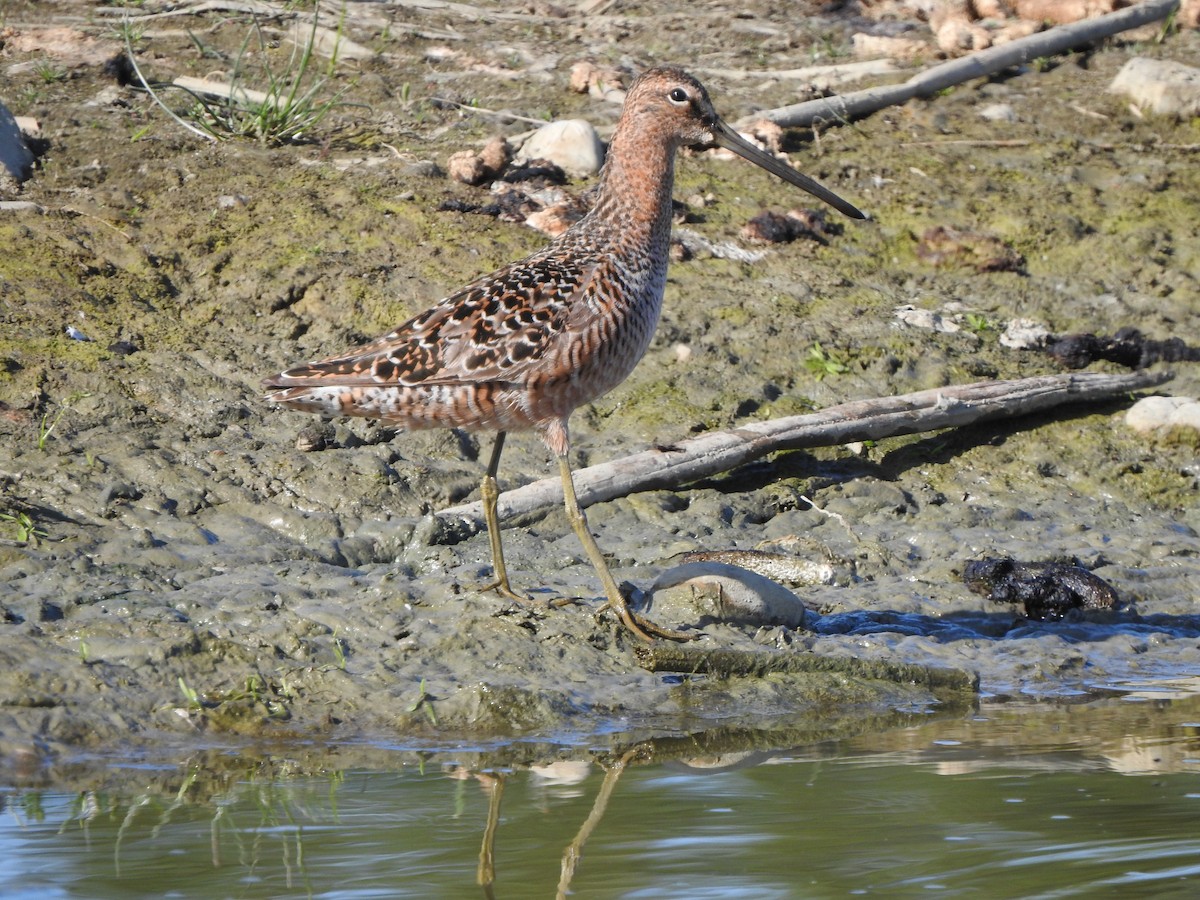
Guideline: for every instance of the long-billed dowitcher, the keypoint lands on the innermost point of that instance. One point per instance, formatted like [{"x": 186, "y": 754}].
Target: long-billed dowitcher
[{"x": 525, "y": 346}]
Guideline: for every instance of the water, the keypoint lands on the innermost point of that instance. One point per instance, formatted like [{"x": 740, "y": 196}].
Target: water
[{"x": 1094, "y": 800}]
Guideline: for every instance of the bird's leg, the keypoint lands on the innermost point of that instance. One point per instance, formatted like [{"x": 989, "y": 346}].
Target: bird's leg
[
  {"x": 635, "y": 623},
  {"x": 489, "y": 493}
]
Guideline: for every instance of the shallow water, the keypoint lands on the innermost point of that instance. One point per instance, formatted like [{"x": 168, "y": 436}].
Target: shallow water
[{"x": 1097, "y": 799}]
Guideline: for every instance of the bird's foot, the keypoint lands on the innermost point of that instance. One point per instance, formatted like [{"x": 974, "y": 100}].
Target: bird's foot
[
  {"x": 643, "y": 628},
  {"x": 502, "y": 587}
]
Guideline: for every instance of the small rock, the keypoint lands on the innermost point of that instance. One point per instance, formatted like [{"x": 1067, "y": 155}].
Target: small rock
[
  {"x": 110, "y": 95},
  {"x": 1153, "y": 414},
  {"x": 699, "y": 592},
  {"x": 473, "y": 168},
  {"x": 916, "y": 317},
  {"x": 571, "y": 144},
  {"x": 603, "y": 82},
  {"x": 998, "y": 112},
  {"x": 1160, "y": 86},
  {"x": 873, "y": 46},
  {"x": 1025, "y": 334},
  {"x": 765, "y": 134}
]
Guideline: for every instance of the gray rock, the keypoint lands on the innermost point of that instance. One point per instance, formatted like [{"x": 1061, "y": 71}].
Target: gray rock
[
  {"x": 1160, "y": 86},
  {"x": 1152, "y": 414},
  {"x": 571, "y": 144},
  {"x": 700, "y": 592}
]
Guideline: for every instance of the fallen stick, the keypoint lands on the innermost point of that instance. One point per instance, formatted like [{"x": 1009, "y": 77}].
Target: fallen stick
[
  {"x": 662, "y": 656},
  {"x": 861, "y": 420},
  {"x": 847, "y": 107}
]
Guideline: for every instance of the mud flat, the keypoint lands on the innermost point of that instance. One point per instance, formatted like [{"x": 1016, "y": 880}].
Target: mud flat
[{"x": 181, "y": 563}]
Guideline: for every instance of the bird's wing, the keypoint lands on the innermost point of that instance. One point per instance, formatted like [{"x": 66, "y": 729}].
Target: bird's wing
[{"x": 493, "y": 330}]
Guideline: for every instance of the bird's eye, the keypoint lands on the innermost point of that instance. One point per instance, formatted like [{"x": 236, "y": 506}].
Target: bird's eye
[{"x": 678, "y": 95}]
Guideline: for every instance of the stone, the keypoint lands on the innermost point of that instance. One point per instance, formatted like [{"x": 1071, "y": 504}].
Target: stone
[
  {"x": 1159, "y": 86},
  {"x": 571, "y": 144}
]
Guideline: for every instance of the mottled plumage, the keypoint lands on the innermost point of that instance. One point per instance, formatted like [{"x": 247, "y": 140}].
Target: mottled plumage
[{"x": 526, "y": 345}]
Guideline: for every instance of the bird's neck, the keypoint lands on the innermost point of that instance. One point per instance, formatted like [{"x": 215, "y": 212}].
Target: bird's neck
[{"x": 634, "y": 194}]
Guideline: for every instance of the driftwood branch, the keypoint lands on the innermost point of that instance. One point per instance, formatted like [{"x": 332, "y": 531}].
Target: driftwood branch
[
  {"x": 847, "y": 107},
  {"x": 662, "y": 656},
  {"x": 710, "y": 454}
]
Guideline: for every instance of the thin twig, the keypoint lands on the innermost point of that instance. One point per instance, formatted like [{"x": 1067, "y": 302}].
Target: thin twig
[
  {"x": 967, "y": 143},
  {"x": 488, "y": 112}
]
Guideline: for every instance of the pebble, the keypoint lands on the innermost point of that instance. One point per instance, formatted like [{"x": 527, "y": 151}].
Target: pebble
[
  {"x": 998, "y": 112},
  {"x": 571, "y": 144},
  {"x": 1154, "y": 414},
  {"x": 603, "y": 82},
  {"x": 1160, "y": 86},
  {"x": 474, "y": 168},
  {"x": 1024, "y": 334},
  {"x": 915, "y": 317},
  {"x": 696, "y": 593}
]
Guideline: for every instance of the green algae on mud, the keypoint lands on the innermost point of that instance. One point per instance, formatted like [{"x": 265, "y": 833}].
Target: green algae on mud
[{"x": 299, "y": 593}]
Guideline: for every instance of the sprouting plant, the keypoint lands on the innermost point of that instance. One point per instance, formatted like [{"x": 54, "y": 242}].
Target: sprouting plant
[
  {"x": 49, "y": 73},
  {"x": 424, "y": 701},
  {"x": 339, "y": 650},
  {"x": 26, "y": 531},
  {"x": 128, "y": 31},
  {"x": 189, "y": 693},
  {"x": 50, "y": 422},
  {"x": 273, "y": 105},
  {"x": 821, "y": 363},
  {"x": 978, "y": 322}
]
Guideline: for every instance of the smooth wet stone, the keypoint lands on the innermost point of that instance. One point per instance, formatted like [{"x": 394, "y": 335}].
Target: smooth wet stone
[
  {"x": 1160, "y": 86},
  {"x": 571, "y": 144},
  {"x": 1151, "y": 414},
  {"x": 705, "y": 592}
]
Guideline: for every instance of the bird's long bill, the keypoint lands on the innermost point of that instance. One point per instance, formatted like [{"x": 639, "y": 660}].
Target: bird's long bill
[{"x": 731, "y": 140}]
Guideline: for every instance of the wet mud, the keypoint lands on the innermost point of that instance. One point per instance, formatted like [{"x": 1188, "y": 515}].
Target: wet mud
[{"x": 182, "y": 563}]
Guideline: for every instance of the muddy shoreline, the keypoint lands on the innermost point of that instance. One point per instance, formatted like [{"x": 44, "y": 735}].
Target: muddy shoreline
[{"x": 176, "y": 570}]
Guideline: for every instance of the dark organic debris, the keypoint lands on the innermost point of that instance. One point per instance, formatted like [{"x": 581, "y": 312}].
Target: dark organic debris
[
  {"x": 945, "y": 245},
  {"x": 1128, "y": 347},
  {"x": 510, "y": 206},
  {"x": 536, "y": 174},
  {"x": 1047, "y": 590},
  {"x": 774, "y": 228}
]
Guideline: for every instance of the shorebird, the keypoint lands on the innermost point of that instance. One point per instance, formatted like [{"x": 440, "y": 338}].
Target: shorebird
[{"x": 525, "y": 346}]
